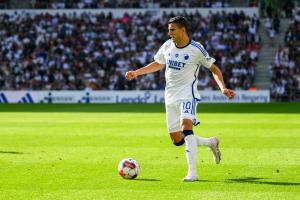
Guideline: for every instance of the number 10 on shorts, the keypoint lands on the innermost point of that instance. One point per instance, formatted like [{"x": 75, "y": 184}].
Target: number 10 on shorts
[{"x": 188, "y": 107}]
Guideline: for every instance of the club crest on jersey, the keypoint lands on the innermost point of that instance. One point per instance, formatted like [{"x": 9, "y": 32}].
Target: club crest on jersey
[
  {"x": 186, "y": 56},
  {"x": 176, "y": 55}
]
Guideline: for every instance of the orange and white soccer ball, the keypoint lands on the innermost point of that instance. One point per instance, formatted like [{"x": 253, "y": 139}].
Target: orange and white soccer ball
[{"x": 128, "y": 168}]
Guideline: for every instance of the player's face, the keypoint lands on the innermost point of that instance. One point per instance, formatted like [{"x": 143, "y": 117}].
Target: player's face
[{"x": 175, "y": 32}]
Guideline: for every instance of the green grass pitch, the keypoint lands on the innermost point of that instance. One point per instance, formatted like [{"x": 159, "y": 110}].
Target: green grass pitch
[{"x": 71, "y": 152}]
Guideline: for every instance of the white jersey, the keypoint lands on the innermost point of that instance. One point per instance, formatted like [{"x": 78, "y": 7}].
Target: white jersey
[{"x": 182, "y": 67}]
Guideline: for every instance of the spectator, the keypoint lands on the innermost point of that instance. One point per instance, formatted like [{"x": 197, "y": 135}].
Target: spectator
[
  {"x": 285, "y": 70},
  {"x": 80, "y": 51},
  {"x": 81, "y": 4}
]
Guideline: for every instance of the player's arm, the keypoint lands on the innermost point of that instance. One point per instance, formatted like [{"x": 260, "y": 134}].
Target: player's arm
[
  {"x": 220, "y": 81},
  {"x": 152, "y": 67}
]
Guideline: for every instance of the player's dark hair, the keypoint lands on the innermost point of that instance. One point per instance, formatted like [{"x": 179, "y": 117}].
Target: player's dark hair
[{"x": 180, "y": 21}]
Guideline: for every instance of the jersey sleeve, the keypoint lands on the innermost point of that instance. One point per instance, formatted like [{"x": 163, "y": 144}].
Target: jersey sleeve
[
  {"x": 207, "y": 61},
  {"x": 204, "y": 58},
  {"x": 159, "y": 56}
]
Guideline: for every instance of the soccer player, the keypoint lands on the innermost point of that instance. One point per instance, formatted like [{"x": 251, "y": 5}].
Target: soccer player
[{"x": 183, "y": 57}]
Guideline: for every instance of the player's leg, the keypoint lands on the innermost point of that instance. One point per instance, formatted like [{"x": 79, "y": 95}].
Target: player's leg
[
  {"x": 191, "y": 149},
  {"x": 181, "y": 137},
  {"x": 173, "y": 123},
  {"x": 187, "y": 116},
  {"x": 175, "y": 126},
  {"x": 177, "y": 138},
  {"x": 214, "y": 147},
  {"x": 212, "y": 142},
  {"x": 190, "y": 113}
]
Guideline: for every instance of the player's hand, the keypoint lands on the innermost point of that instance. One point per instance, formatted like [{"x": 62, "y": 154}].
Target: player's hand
[
  {"x": 130, "y": 75},
  {"x": 228, "y": 93}
]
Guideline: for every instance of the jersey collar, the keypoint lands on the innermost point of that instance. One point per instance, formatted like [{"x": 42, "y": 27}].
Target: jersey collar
[{"x": 183, "y": 46}]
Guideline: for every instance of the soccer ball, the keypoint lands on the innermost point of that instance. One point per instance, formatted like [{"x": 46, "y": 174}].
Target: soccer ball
[{"x": 128, "y": 168}]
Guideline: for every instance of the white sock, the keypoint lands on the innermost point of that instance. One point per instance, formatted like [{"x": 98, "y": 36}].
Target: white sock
[
  {"x": 202, "y": 141},
  {"x": 191, "y": 154}
]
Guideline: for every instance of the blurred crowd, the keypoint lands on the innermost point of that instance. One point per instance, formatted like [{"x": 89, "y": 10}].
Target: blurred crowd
[
  {"x": 285, "y": 71},
  {"x": 93, "y": 51},
  {"x": 272, "y": 25},
  {"x": 79, "y": 4}
]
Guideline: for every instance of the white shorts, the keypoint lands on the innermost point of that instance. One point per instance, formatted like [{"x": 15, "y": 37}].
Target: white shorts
[{"x": 185, "y": 109}]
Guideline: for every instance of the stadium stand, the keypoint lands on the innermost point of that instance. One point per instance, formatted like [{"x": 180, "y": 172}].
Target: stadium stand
[
  {"x": 93, "y": 4},
  {"x": 285, "y": 70},
  {"x": 93, "y": 51}
]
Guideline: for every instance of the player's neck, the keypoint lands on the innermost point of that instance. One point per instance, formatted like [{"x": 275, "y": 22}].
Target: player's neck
[{"x": 183, "y": 42}]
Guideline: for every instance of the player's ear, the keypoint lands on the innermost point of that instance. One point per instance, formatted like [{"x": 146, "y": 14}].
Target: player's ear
[{"x": 183, "y": 30}]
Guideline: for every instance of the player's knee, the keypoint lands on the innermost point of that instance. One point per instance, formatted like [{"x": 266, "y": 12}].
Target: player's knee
[
  {"x": 177, "y": 138},
  {"x": 187, "y": 124},
  {"x": 181, "y": 142}
]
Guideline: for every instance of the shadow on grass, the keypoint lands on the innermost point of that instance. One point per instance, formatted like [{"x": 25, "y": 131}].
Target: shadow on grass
[
  {"x": 145, "y": 179},
  {"x": 255, "y": 180},
  {"x": 204, "y": 181},
  {"x": 12, "y": 152}
]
